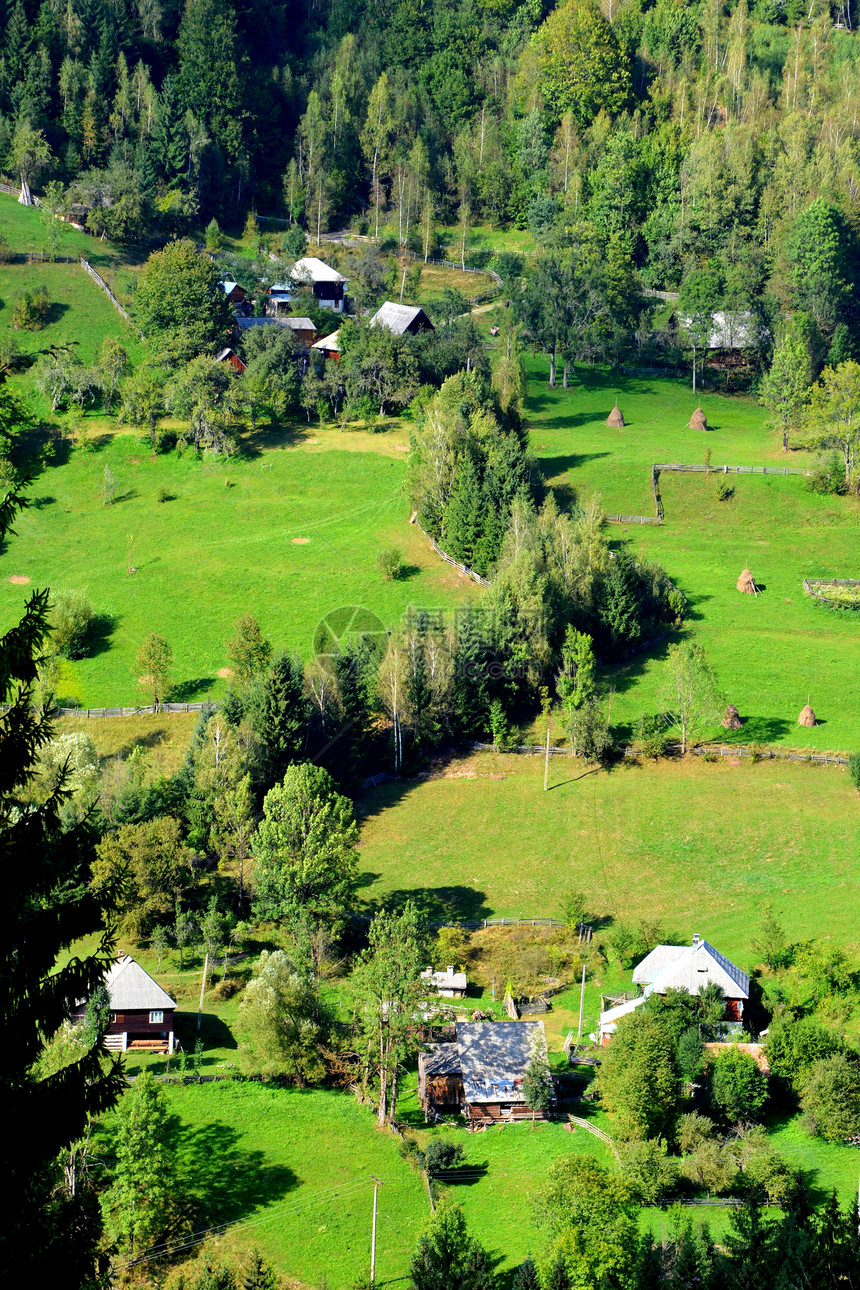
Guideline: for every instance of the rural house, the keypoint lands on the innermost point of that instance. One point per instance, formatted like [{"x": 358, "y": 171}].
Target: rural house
[
  {"x": 278, "y": 299},
  {"x": 235, "y": 294},
  {"x": 302, "y": 328},
  {"x": 401, "y": 319},
  {"x": 682, "y": 967},
  {"x": 481, "y": 1074},
  {"x": 141, "y": 1013},
  {"x": 448, "y": 984},
  {"x": 328, "y": 286},
  {"x": 230, "y": 356},
  {"x": 328, "y": 347}
]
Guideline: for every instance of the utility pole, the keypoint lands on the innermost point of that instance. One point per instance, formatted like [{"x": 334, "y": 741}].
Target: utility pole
[
  {"x": 581, "y": 1004},
  {"x": 373, "y": 1237},
  {"x": 202, "y": 990}
]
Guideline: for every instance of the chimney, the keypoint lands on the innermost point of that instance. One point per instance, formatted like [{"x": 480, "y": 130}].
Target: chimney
[
  {"x": 450, "y": 969},
  {"x": 697, "y": 940}
]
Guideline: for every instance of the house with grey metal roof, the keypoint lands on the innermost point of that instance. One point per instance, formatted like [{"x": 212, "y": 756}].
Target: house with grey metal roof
[
  {"x": 683, "y": 967},
  {"x": 492, "y": 1058},
  {"x": 141, "y": 1013},
  {"x": 448, "y": 984},
  {"x": 401, "y": 319}
]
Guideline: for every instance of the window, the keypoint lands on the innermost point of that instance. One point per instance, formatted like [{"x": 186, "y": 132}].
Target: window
[
  {"x": 113, "y": 1017},
  {"x": 156, "y": 1016}
]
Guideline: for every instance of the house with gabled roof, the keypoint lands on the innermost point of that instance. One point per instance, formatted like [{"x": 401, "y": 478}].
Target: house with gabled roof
[
  {"x": 401, "y": 320},
  {"x": 682, "y": 967},
  {"x": 327, "y": 285},
  {"x": 141, "y": 1013},
  {"x": 484, "y": 1077}
]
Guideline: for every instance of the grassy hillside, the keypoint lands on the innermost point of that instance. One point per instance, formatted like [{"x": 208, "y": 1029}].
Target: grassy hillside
[
  {"x": 699, "y": 846},
  {"x": 289, "y": 532},
  {"x": 772, "y": 652}
]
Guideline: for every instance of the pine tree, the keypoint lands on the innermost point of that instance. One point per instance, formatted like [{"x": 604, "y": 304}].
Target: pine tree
[
  {"x": 465, "y": 513},
  {"x": 526, "y": 1277},
  {"x": 349, "y": 743},
  {"x": 281, "y": 718},
  {"x": 51, "y": 1232},
  {"x": 142, "y": 1192}
]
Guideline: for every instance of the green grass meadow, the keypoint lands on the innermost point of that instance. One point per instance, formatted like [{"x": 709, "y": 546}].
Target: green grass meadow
[
  {"x": 773, "y": 652},
  {"x": 290, "y": 532},
  {"x": 702, "y": 846}
]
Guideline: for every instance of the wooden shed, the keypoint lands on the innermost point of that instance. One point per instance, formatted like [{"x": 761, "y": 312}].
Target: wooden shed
[{"x": 141, "y": 1012}]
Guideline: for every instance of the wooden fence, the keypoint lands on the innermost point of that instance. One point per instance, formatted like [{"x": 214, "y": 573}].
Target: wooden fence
[
  {"x": 730, "y": 470},
  {"x": 813, "y": 587},
  {"x": 449, "y": 559},
  {"x": 701, "y": 750},
  {"x": 97, "y": 277},
  {"x": 633, "y": 519},
  {"x": 156, "y": 709}
]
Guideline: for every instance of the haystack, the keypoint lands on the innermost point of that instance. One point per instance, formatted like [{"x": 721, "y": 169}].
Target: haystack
[
  {"x": 698, "y": 421},
  {"x": 746, "y": 583},
  {"x": 807, "y": 717},
  {"x": 731, "y": 718},
  {"x": 615, "y": 420}
]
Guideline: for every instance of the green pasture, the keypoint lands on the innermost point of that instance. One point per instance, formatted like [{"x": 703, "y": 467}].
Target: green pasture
[
  {"x": 773, "y": 652},
  {"x": 699, "y": 846},
  {"x": 292, "y": 1170},
  {"x": 289, "y": 532}
]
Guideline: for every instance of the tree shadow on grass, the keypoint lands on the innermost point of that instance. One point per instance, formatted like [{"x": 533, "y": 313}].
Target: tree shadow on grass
[
  {"x": 759, "y": 730},
  {"x": 443, "y": 904},
  {"x": 99, "y": 635},
  {"x": 56, "y": 312},
  {"x": 552, "y": 466},
  {"x": 225, "y": 1180},
  {"x": 191, "y": 691},
  {"x": 258, "y": 441}
]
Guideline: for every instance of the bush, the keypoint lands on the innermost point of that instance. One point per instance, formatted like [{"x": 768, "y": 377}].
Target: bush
[
  {"x": 738, "y": 1087},
  {"x": 442, "y": 1154},
  {"x": 31, "y": 310},
  {"x": 854, "y": 770},
  {"x": 72, "y": 618},
  {"x": 831, "y": 1098},
  {"x": 648, "y": 1169},
  {"x": 651, "y": 736},
  {"x": 226, "y": 989},
  {"x": 390, "y": 564},
  {"x": 724, "y": 490},
  {"x": 164, "y": 494},
  {"x": 828, "y": 475}
]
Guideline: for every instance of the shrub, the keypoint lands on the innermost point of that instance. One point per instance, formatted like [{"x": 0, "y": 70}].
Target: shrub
[
  {"x": 31, "y": 310},
  {"x": 828, "y": 475},
  {"x": 647, "y": 1168},
  {"x": 854, "y": 770},
  {"x": 6, "y": 252},
  {"x": 693, "y": 1129},
  {"x": 72, "y": 618},
  {"x": 738, "y": 1087},
  {"x": 651, "y": 736},
  {"x": 831, "y": 1098},
  {"x": 164, "y": 494},
  {"x": 724, "y": 490},
  {"x": 442, "y": 1154},
  {"x": 390, "y": 564}
]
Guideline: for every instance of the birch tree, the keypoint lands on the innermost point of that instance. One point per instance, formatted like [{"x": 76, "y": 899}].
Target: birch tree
[
  {"x": 388, "y": 987},
  {"x": 375, "y": 135},
  {"x": 688, "y": 692}
]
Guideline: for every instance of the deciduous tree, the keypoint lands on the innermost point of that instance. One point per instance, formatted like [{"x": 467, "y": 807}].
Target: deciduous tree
[{"x": 688, "y": 691}]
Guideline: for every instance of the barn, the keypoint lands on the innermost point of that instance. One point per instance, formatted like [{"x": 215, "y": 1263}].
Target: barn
[
  {"x": 141, "y": 1013},
  {"x": 401, "y": 320},
  {"x": 482, "y": 1074}
]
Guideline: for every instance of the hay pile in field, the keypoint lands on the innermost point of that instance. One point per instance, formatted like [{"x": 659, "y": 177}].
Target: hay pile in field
[
  {"x": 615, "y": 420},
  {"x": 731, "y": 718},
  {"x": 698, "y": 421},
  {"x": 807, "y": 717},
  {"x": 746, "y": 583}
]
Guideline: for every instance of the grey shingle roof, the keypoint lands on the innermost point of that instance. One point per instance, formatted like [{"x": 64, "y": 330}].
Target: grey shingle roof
[
  {"x": 396, "y": 318},
  {"x": 494, "y": 1057},
  {"x": 133, "y": 990},
  {"x": 689, "y": 967},
  {"x": 442, "y": 1059},
  {"x": 311, "y": 268}
]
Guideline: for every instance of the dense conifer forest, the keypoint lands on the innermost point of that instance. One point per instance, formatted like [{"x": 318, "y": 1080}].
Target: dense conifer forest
[{"x": 684, "y": 141}]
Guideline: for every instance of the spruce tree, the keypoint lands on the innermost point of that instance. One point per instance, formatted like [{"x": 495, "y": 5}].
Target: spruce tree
[
  {"x": 464, "y": 514},
  {"x": 50, "y": 1230},
  {"x": 281, "y": 718}
]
